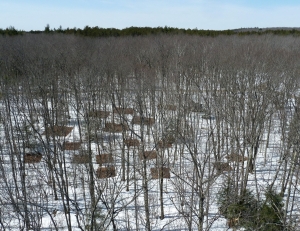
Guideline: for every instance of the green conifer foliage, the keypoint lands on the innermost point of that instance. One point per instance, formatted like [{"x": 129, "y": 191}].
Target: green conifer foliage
[
  {"x": 271, "y": 212},
  {"x": 245, "y": 211}
]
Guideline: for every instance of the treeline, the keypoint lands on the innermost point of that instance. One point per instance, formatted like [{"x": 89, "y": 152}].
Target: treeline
[
  {"x": 143, "y": 31},
  {"x": 11, "y": 31}
]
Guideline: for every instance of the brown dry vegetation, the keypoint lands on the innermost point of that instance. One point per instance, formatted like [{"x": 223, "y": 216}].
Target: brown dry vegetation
[
  {"x": 71, "y": 145},
  {"x": 132, "y": 142},
  {"x": 162, "y": 172},
  {"x": 236, "y": 157},
  {"x": 221, "y": 167},
  {"x": 146, "y": 121},
  {"x": 58, "y": 131},
  {"x": 106, "y": 172},
  {"x": 80, "y": 159},
  {"x": 31, "y": 158},
  {"x": 148, "y": 155},
  {"x": 104, "y": 159},
  {"x": 164, "y": 144},
  {"x": 113, "y": 127},
  {"x": 128, "y": 111}
]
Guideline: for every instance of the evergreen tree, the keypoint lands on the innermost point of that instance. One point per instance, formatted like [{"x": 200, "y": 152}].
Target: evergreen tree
[
  {"x": 244, "y": 211},
  {"x": 271, "y": 212},
  {"x": 47, "y": 29}
]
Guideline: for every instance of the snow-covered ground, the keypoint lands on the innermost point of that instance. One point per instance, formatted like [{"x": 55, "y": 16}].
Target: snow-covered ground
[{"x": 122, "y": 203}]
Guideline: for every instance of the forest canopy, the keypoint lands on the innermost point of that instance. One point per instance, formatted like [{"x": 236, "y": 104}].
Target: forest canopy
[{"x": 156, "y": 132}]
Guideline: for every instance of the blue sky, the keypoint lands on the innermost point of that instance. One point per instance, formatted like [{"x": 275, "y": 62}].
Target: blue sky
[{"x": 201, "y": 14}]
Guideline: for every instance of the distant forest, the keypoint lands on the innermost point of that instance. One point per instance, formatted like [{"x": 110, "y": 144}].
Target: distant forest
[{"x": 142, "y": 31}]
